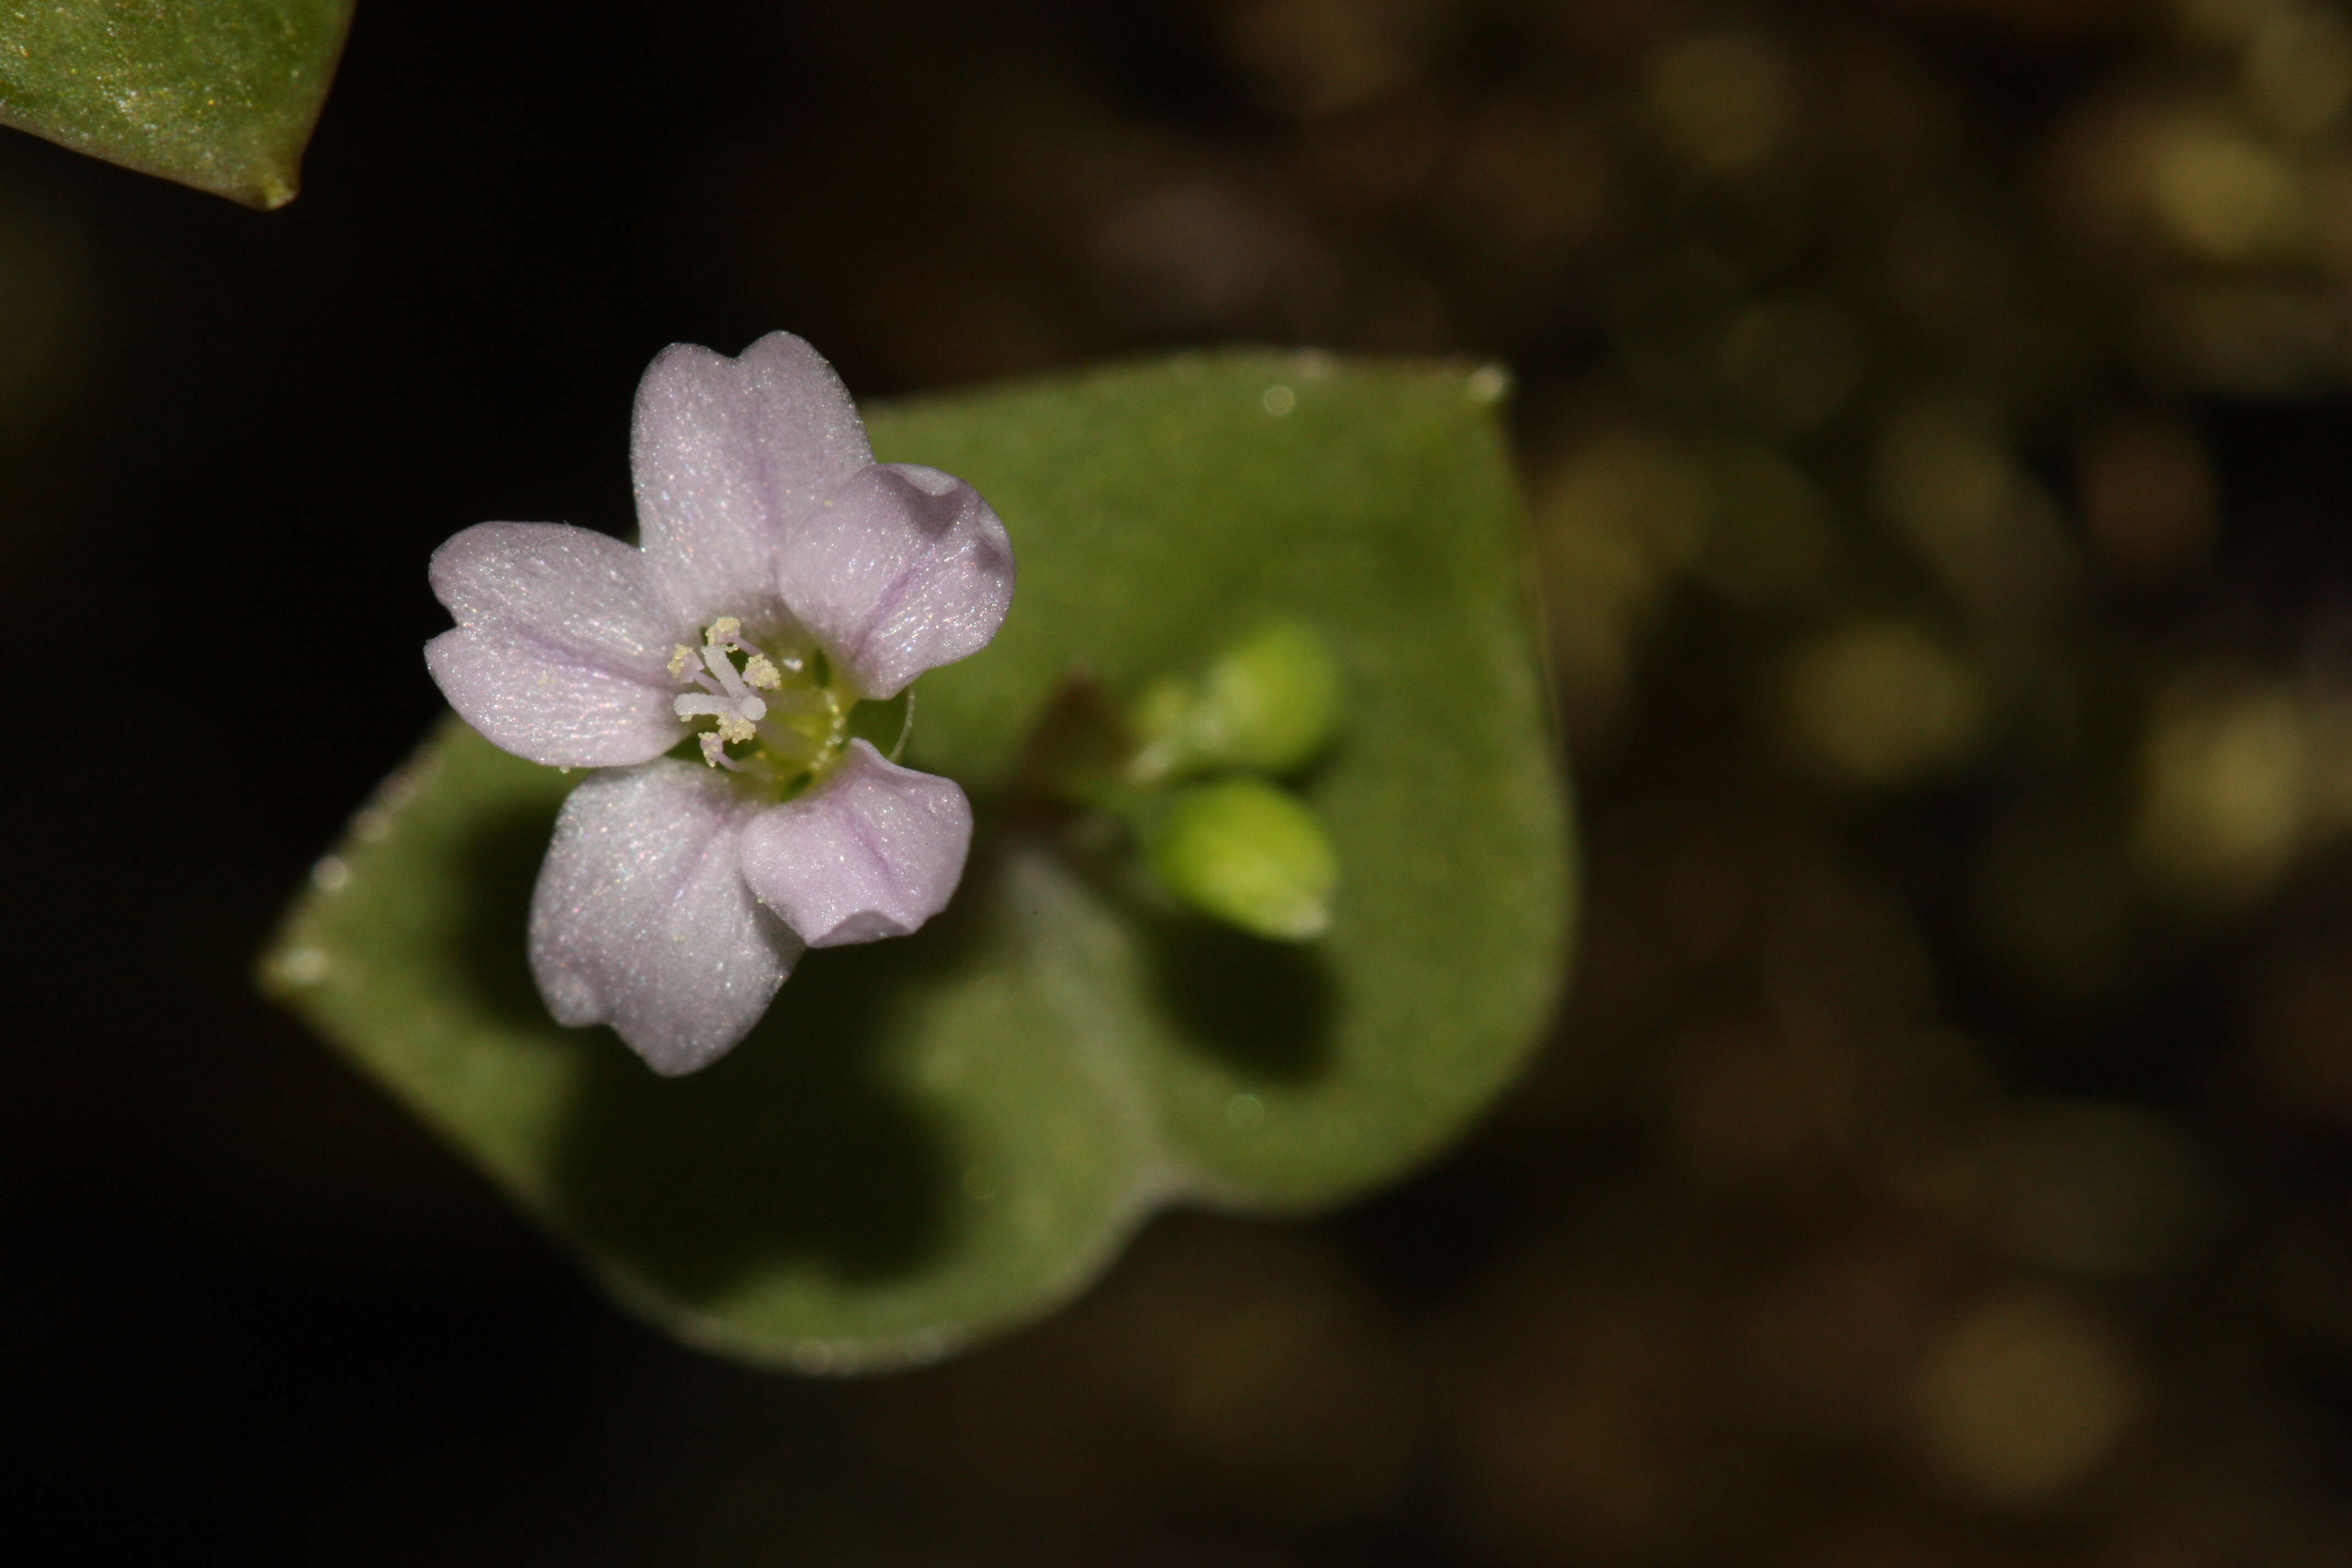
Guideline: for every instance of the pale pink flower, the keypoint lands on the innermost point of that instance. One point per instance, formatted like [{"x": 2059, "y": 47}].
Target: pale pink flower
[{"x": 781, "y": 577}]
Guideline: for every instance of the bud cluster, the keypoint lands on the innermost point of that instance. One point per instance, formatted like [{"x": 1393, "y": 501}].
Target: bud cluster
[{"x": 1219, "y": 831}]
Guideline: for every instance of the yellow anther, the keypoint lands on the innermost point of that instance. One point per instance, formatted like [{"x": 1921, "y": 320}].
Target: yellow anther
[
  {"x": 725, "y": 629},
  {"x": 735, "y": 727},
  {"x": 760, "y": 671},
  {"x": 681, "y": 660}
]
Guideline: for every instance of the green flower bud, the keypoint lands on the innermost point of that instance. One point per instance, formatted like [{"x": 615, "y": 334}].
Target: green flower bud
[
  {"x": 1247, "y": 853},
  {"x": 1269, "y": 702}
]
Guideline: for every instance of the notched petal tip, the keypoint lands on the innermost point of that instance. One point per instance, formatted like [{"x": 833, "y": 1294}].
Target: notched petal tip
[
  {"x": 871, "y": 852},
  {"x": 727, "y": 454},
  {"x": 903, "y": 570}
]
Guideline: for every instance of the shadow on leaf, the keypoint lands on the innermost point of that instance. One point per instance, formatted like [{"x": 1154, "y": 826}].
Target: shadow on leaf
[
  {"x": 789, "y": 1152},
  {"x": 1264, "y": 1009},
  {"x": 500, "y": 860},
  {"x": 786, "y": 1153}
]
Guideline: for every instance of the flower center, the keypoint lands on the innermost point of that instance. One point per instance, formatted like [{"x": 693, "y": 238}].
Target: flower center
[{"x": 785, "y": 713}]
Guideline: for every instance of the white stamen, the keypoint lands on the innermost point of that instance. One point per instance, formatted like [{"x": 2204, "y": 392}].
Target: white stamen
[
  {"x": 714, "y": 751},
  {"x": 732, "y": 725},
  {"x": 728, "y": 695},
  {"x": 715, "y": 659}
]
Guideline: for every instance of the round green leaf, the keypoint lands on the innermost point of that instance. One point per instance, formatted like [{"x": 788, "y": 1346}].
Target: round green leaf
[{"x": 936, "y": 1137}]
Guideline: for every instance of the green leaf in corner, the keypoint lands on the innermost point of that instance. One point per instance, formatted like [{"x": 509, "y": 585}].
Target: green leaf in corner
[
  {"x": 934, "y": 1138},
  {"x": 219, "y": 95}
]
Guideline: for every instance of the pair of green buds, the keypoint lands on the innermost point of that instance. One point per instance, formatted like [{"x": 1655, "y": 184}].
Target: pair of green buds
[{"x": 1198, "y": 780}]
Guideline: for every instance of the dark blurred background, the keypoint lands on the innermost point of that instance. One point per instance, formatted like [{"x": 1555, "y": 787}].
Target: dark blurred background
[{"x": 1935, "y": 415}]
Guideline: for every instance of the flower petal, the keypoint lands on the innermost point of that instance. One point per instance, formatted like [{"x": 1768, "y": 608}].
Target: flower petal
[
  {"x": 727, "y": 454},
  {"x": 559, "y": 647},
  {"x": 904, "y": 569},
  {"x": 874, "y": 851},
  {"x": 642, "y": 921}
]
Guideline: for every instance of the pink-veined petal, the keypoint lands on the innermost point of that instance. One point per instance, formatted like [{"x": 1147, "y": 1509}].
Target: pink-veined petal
[
  {"x": 642, "y": 919},
  {"x": 903, "y": 569},
  {"x": 728, "y": 455},
  {"x": 559, "y": 648},
  {"x": 874, "y": 851}
]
